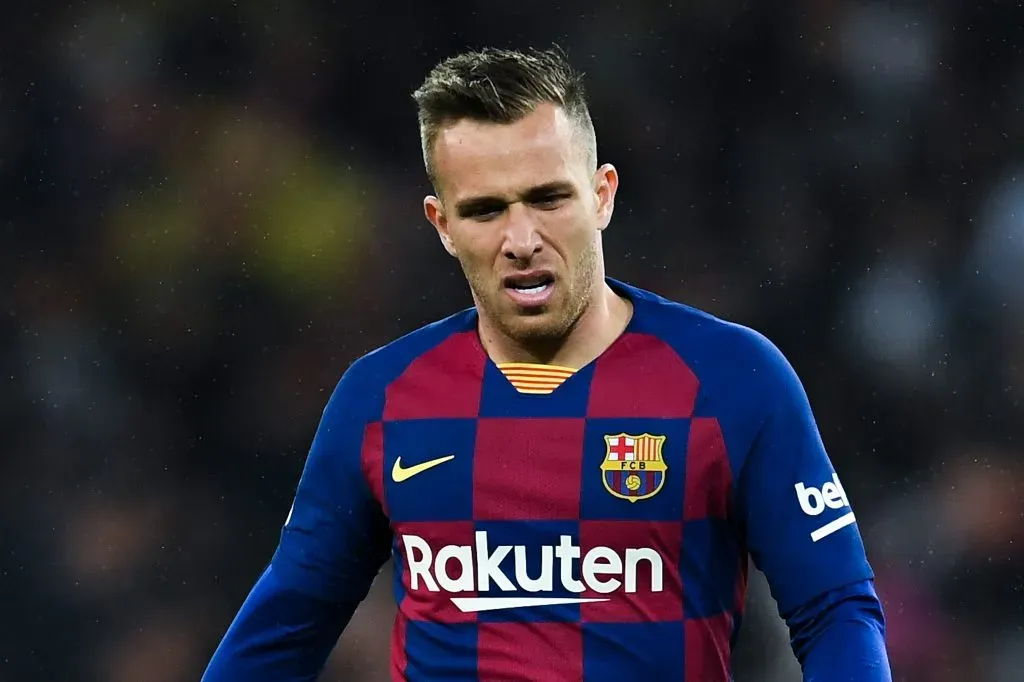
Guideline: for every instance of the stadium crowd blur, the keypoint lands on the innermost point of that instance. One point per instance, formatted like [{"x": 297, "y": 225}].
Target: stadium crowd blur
[{"x": 213, "y": 207}]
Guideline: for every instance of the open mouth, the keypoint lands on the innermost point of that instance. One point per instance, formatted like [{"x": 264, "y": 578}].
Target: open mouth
[
  {"x": 530, "y": 288},
  {"x": 529, "y": 284}
]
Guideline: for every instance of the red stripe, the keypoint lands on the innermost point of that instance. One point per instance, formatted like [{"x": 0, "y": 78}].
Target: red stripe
[
  {"x": 399, "y": 660},
  {"x": 708, "y": 472},
  {"x": 662, "y": 385},
  {"x": 706, "y": 647},
  {"x": 542, "y": 652},
  {"x": 553, "y": 446},
  {"x": 444, "y": 382}
]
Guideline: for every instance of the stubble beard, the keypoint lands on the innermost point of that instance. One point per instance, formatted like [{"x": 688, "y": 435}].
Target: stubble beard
[{"x": 546, "y": 335}]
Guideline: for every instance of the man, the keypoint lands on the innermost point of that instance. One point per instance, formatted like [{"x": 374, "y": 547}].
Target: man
[{"x": 570, "y": 475}]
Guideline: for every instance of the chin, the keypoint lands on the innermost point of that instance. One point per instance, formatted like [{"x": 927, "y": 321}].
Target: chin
[{"x": 535, "y": 327}]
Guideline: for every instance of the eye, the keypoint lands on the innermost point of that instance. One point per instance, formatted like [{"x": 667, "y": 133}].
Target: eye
[
  {"x": 549, "y": 202},
  {"x": 484, "y": 215},
  {"x": 482, "y": 212}
]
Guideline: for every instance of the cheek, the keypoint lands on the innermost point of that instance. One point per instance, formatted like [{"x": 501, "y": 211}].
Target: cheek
[
  {"x": 465, "y": 241},
  {"x": 475, "y": 249},
  {"x": 576, "y": 235}
]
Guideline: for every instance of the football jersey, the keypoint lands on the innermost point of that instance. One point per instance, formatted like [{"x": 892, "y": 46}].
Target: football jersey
[{"x": 553, "y": 524}]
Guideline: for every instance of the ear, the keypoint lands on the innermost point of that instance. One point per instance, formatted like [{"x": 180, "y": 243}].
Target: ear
[
  {"x": 434, "y": 211},
  {"x": 606, "y": 184}
]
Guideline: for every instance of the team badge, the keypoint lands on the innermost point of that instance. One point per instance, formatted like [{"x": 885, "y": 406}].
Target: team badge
[{"x": 633, "y": 468}]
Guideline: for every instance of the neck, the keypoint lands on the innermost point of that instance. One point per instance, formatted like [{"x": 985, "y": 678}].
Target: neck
[{"x": 601, "y": 323}]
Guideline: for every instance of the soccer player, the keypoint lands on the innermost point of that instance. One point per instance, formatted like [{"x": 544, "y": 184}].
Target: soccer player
[{"x": 571, "y": 474}]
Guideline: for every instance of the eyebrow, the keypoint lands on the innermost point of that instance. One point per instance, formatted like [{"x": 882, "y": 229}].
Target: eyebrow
[{"x": 473, "y": 205}]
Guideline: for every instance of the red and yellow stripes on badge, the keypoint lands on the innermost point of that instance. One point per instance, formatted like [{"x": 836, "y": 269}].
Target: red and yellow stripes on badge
[
  {"x": 647, "y": 449},
  {"x": 537, "y": 379}
]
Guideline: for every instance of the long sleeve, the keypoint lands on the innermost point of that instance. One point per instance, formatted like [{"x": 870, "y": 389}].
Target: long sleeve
[
  {"x": 840, "y": 636},
  {"x": 801, "y": 531},
  {"x": 332, "y": 546},
  {"x": 278, "y": 634}
]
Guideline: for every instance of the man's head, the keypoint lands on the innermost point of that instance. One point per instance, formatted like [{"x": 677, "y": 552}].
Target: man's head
[{"x": 510, "y": 149}]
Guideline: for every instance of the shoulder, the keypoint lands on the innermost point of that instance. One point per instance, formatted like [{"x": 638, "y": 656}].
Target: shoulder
[
  {"x": 718, "y": 351},
  {"x": 362, "y": 387},
  {"x": 383, "y": 365}
]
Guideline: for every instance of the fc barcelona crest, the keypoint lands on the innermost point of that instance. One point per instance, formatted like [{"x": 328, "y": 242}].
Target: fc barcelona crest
[{"x": 633, "y": 468}]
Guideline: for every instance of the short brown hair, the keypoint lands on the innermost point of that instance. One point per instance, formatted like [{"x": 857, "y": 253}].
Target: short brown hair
[{"x": 500, "y": 86}]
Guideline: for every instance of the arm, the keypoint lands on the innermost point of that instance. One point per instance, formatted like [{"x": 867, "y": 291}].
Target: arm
[
  {"x": 278, "y": 634},
  {"x": 840, "y": 636},
  {"x": 801, "y": 531},
  {"x": 333, "y": 544}
]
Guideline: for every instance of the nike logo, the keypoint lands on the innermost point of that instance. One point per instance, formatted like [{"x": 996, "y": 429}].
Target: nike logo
[{"x": 400, "y": 473}]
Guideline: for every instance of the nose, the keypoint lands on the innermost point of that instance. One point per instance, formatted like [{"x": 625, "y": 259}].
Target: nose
[{"x": 522, "y": 240}]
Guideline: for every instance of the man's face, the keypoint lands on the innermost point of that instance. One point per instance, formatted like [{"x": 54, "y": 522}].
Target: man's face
[{"x": 522, "y": 210}]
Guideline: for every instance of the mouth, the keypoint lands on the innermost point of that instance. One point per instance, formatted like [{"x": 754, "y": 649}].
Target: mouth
[{"x": 530, "y": 289}]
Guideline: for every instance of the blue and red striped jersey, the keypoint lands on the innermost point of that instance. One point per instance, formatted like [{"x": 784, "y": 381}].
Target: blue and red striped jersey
[{"x": 551, "y": 524}]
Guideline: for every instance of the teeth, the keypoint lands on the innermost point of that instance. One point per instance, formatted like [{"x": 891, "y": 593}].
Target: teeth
[{"x": 532, "y": 290}]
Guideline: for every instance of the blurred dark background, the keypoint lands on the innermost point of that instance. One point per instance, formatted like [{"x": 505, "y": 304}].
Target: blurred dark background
[{"x": 210, "y": 208}]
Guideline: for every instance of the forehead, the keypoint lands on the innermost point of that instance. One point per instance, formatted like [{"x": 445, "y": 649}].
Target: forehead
[{"x": 474, "y": 158}]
